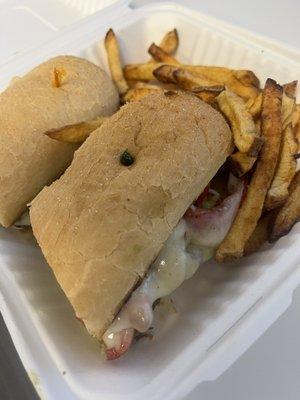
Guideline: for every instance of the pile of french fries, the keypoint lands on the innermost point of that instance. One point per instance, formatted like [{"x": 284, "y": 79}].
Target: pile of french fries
[{"x": 265, "y": 125}]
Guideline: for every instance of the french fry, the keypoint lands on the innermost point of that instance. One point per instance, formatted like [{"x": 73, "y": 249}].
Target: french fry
[
  {"x": 114, "y": 61},
  {"x": 247, "y": 78},
  {"x": 287, "y": 164},
  {"x": 160, "y": 55},
  {"x": 258, "y": 126},
  {"x": 144, "y": 85},
  {"x": 188, "y": 78},
  {"x": 219, "y": 75},
  {"x": 141, "y": 72},
  {"x": 217, "y": 89},
  {"x": 208, "y": 93},
  {"x": 251, "y": 208},
  {"x": 288, "y": 105},
  {"x": 164, "y": 73},
  {"x": 285, "y": 171},
  {"x": 132, "y": 84},
  {"x": 188, "y": 81},
  {"x": 290, "y": 88},
  {"x": 246, "y": 138},
  {"x": 138, "y": 93},
  {"x": 254, "y": 105},
  {"x": 260, "y": 234},
  {"x": 76, "y": 133},
  {"x": 170, "y": 42},
  {"x": 205, "y": 89},
  {"x": 296, "y": 124},
  {"x": 201, "y": 87},
  {"x": 228, "y": 77},
  {"x": 240, "y": 163},
  {"x": 289, "y": 214}
]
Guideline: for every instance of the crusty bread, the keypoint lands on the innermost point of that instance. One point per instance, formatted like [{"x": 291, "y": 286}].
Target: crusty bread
[
  {"x": 31, "y": 106},
  {"x": 102, "y": 224}
]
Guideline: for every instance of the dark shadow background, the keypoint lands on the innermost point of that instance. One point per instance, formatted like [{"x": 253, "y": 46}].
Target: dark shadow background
[{"x": 14, "y": 382}]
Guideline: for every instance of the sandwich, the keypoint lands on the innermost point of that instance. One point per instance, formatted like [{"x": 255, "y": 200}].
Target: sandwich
[
  {"x": 136, "y": 212},
  {"x": 63, "y": 91}
]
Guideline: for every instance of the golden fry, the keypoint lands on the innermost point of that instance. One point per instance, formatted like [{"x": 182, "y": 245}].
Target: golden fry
[
  {"x": 188, "y": 81},
  {"x": 246, "y": 138},
  {"x": 285, "y": 171},
  {"x": 251, "y": 208},
  {"x": 260, "y": 234},
  {"x": 114, "y": 62},
  {"x": 290, "y": 88},
  {"x": 205, "y": 89},
  {"x": 138, "y": 93},
  {"x": 141, "y": 72},
  {"x": 218, "y": 75},
  {"x": 77, "y": 133},
  {"x": 228, "y": 77},
  {"x": 201, "y": 87},
  {"x": 254, "y": 105},
  {"x": 208, "y": 94},
  {"x": 240, "y": 163},
  {"x": 217, "y": 89},
  {"x": 161, "y": 56},
  {"x": 289, "y": 214},
  {"x": 296, "y": 124},
  {"x": 258, "y": 126},
  {"x": 144, "y": 85},
  {"x": 288, "y": 105},
  {"x": 287, "y": 164},
  {"x": 164, "y": 73},
  {"x": 247, "y": 78},
  {"x": 170, "y": 42}
]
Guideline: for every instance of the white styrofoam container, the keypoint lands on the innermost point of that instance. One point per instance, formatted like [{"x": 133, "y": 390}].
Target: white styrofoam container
[
  {"x": 220, "y": 312},
  {"x": 28, "y": 23}
]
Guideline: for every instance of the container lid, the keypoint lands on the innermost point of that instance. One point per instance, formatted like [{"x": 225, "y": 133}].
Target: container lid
[{"x": 27, "y": 23}]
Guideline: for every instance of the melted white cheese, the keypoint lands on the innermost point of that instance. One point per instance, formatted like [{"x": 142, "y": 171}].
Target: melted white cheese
[{"x": 173, "y": 265}]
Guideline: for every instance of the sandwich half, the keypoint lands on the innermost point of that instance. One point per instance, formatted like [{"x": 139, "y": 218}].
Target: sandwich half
[
  {"x": 116, "y": 227},
  {"x": 62, "y": 91}
]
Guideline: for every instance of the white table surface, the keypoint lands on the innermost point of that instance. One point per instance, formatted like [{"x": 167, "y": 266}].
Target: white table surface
[{"x": 270, "y": 369}]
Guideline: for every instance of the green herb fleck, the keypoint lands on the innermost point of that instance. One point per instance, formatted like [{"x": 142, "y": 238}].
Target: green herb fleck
[{"x": 126, "y": 158}]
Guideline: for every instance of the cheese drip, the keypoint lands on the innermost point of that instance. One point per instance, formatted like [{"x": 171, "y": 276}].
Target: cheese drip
[{"x": 173, "y": 265}]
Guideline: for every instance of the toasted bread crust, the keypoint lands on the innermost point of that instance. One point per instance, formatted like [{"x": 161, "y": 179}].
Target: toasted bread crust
[
  {"x": 32, "y": 105},
  {"x": 102, "y": 224}
]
